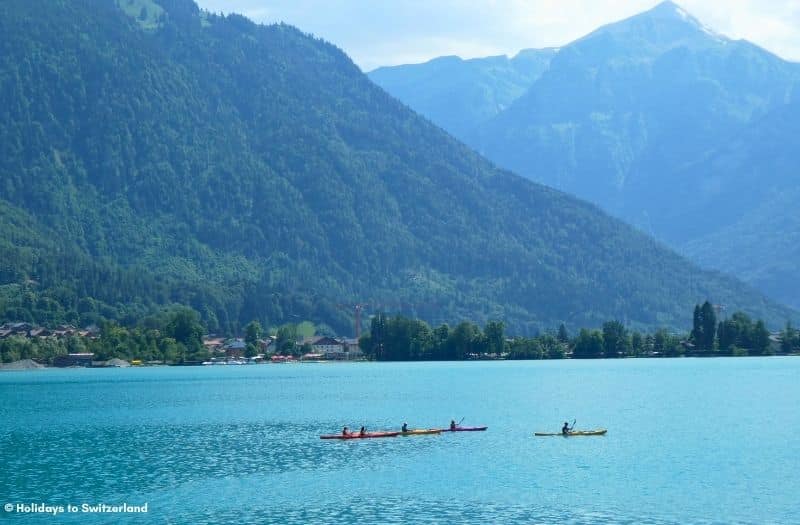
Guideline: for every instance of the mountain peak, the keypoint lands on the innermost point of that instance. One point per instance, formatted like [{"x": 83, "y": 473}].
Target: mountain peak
[
  {"x": 663, "y": 27},
  {"x": 669, "y": 10}
]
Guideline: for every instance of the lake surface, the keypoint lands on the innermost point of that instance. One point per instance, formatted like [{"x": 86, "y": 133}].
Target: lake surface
[{"x": 689, "y": 441}]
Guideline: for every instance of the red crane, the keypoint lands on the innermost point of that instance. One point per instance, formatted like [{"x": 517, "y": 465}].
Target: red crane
[{"x": 357, "y": 309}]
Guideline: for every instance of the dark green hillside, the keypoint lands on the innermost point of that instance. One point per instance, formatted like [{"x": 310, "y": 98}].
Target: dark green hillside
[{"x": 255, "y": 172}]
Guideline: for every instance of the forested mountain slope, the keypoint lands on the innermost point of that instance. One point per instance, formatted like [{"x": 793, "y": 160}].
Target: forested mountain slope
[
  {"x": 254, "y": 172},
  {"x": 756, "y": 233},
  {"x": 628, "y": 116},
  {"x": 624, "y": 107}
]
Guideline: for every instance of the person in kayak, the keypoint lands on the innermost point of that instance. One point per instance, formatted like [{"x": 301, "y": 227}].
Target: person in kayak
[
  {"x": 405, "y": 427},
  {"x": 565, "y": 429},
  {"x": 452, "y": 424},
  {"x": 363, "y": 431},
  {"x": 345, "y": 431}
]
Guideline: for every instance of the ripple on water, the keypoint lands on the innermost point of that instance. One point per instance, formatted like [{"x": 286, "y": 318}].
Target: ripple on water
[
  {"x": 687, "y": 442},
  {"x": 416, "y": 510},
  {"x": 103, "y": 461}
]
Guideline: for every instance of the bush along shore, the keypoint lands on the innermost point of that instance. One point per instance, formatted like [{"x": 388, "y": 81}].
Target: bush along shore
[{"x": 175, "y": 336}]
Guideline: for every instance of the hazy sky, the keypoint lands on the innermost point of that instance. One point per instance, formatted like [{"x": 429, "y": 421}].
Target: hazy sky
[{"x": 380, "y": 32}]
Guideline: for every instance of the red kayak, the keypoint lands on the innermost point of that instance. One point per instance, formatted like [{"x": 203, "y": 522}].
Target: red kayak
[
  {"x": 356, "y": 435},
  {"x": 464, "y": 429}
]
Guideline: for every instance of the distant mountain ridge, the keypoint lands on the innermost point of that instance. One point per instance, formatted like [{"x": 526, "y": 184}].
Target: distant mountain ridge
[
  {"x": 621, "y": 115},
  {"x": 462, "y": 94},
  {"x": 157, "y": 156}
]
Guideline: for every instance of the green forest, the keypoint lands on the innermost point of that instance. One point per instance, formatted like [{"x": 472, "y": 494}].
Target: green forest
[{"x": 154, "y": 157}]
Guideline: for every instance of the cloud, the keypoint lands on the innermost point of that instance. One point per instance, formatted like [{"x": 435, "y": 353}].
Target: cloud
[{"x": 376, "y": 33}]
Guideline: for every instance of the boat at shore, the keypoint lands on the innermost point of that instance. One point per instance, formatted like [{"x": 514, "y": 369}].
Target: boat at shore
[{"x": 231, "y": 361}]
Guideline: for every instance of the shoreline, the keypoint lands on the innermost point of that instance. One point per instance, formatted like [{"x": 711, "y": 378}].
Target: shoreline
[{"x": 19, "y": 366}]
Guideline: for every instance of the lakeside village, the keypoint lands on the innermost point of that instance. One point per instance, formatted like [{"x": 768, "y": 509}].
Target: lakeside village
[
  {"x": 178, "y": 340},
  {"x": 219, "y": 350}
]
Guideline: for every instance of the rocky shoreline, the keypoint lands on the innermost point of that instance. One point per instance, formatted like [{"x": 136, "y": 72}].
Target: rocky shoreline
[
  {"x": 30, "y": 364},
  {"x": 22, "y": 364}
]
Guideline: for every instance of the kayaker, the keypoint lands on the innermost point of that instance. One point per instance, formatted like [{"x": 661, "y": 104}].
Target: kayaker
[
  {"x": 565, "y": 429},
  {"x": 452, "y": 424},
  {"x": 405, "y": 427},
  {"x": 362, "y": 432},
  {"x": 345, "y": 431}
]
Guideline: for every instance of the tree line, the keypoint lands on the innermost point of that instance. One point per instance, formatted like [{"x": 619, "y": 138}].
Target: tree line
[
  {"x": 174, "y": 335},
  {"x": 402, "y": 339}
]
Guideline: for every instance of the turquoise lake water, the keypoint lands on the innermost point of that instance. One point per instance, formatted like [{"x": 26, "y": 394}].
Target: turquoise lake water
[{"x": 689, "y": 441}]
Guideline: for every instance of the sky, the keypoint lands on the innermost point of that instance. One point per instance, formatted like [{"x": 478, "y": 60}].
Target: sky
[{"x": 382, "y": 33}]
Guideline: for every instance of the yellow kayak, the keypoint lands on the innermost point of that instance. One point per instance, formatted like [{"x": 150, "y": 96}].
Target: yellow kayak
[
  {"x": 598, "y": 432},
  {"x": 421, "y": 432}
]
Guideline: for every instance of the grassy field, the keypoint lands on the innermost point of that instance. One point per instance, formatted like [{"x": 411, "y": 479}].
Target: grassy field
[{"x": 146, "y": 12}]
